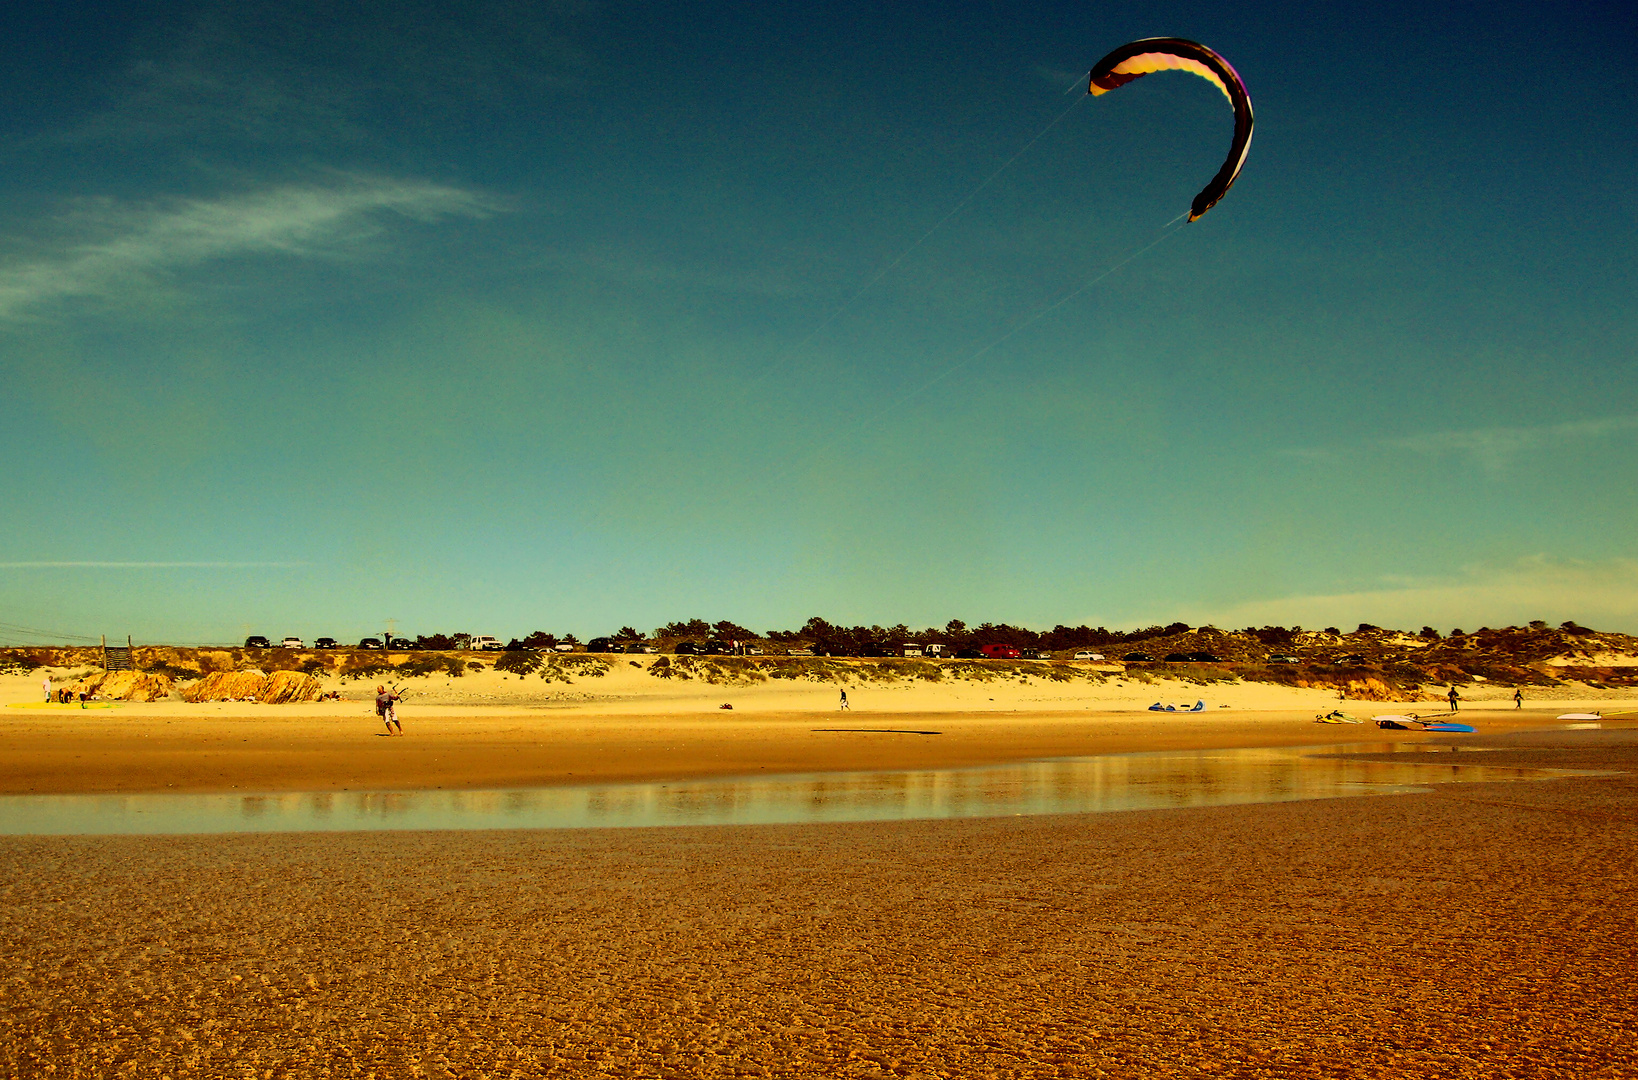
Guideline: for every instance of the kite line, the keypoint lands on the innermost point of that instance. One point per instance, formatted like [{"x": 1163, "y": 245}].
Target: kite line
[{"x": 779, "y": 360}]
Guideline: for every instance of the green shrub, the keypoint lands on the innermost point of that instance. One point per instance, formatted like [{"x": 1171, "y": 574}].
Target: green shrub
[
  {"x": 432, "y": 664},
  {"x": 520, "y": 662}
]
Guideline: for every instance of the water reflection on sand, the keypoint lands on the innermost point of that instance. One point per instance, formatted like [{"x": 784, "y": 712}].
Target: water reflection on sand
[{"x": 1061, "y": 786}]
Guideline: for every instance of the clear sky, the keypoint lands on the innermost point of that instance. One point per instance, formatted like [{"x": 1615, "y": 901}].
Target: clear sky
[{"x": 564, "y": 315}]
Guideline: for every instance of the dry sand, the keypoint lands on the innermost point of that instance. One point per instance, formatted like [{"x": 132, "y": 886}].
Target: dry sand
[{"x": 1485, "y": 930}]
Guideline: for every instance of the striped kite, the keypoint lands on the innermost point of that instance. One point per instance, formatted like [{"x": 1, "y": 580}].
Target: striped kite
[{"x": 1139, "y": 58}]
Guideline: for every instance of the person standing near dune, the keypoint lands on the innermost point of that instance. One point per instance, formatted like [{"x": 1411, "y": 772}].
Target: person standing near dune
[
  {"x": 1453, "y": 697},
  {"x": 843, "y": 706},
  {"x": 386, "y": 707},
  {"x": 46, "y": 686},
  {"x": 1518, "y": 698}
]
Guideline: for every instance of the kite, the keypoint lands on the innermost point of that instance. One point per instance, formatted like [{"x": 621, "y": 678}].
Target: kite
[{"x": 1139, "y": 58}]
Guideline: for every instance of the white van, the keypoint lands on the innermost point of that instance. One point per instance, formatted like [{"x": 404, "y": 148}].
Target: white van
[{"x": 486, "y": 644}]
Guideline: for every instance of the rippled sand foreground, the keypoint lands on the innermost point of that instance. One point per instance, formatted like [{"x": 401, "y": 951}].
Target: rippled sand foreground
[{"x": 1481, "y": 931}]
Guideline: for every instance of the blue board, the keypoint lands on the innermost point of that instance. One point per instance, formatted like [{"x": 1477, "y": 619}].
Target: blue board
[{"x": 1448, "y": 727}]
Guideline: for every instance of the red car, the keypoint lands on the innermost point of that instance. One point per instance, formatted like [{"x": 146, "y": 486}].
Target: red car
[{"x": 1000, "y": 652}]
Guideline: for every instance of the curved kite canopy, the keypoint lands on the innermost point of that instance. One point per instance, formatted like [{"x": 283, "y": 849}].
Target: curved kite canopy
[{"x": 1139, "y": 58}]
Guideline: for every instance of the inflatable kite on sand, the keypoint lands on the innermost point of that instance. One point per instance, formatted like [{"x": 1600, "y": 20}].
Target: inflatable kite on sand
[{"x": 1139, "y": 58}]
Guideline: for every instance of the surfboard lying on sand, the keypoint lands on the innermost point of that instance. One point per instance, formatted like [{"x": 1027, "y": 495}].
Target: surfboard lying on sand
[
  {"x": 1449, "y": 726},
  {"x": 1580, "y": 716}
]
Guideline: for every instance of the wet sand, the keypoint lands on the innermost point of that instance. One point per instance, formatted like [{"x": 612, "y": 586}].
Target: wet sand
[
  {"x": 1479, "y": 931},
  {"x": 172, "y": 747}
]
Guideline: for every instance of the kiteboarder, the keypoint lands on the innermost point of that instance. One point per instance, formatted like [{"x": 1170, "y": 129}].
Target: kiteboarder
[
  {"x": 1454, "y": 697},
  {"x": 386, "y": 707}
]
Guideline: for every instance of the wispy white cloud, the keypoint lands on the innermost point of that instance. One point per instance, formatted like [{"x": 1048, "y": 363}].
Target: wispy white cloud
[
  {"x": 1603, "y": 594},
  {"x": 95, "y": 565},
  {"x": 134, "y": 243},
  {"x": 1493, "y": 449}
]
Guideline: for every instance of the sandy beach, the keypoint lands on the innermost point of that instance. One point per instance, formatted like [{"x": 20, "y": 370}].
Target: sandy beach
[
  {"x": 1482, "y": 930},
  {"x": 493, "y": 731}
]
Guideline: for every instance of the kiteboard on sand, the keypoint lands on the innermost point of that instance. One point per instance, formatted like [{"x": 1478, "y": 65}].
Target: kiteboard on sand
[
  {"x": 1580, "y": 716},
  {"x": 1413, "y": 723}
]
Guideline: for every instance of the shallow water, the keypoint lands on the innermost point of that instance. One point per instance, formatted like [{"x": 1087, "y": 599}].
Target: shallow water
[{"x": 1059, "y": 786}]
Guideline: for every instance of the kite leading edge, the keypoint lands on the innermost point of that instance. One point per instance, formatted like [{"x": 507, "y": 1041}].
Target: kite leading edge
[{"x": 1139, "y": 58}]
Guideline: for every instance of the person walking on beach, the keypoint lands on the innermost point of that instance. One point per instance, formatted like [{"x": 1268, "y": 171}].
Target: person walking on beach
[
  {"x": 386, "y": 707},
  {"x": 844, "y": 702},
  {"x": 1518, "y": 698},
  {"x": 1454, "y": 698},
  {"x": 47, "y": 687}
]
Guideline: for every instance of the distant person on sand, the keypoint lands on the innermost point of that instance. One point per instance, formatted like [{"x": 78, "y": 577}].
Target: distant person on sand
[
  {"x": 1454, "y": 698},
  {"x": 386, "y": 707},
  {"x": 844, "y": 702},
  {"x": 47, "y": 685},
  {"x": 1518, "y": 699}
]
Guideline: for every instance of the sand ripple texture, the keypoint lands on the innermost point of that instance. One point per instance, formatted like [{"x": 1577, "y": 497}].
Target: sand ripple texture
[{"x": 1486, "y": 931}]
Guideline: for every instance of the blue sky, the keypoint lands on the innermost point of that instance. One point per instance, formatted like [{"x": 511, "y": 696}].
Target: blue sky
[{"x": 510, "y": 316}]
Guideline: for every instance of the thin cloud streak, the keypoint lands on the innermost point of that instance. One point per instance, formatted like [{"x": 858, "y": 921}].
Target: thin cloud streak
[
  {"x": 1493, "y": 449},
  {"x": 1539, "y": 587},
  {"x": 290, "y": 220},
  {"x": 91, "y": 565}
]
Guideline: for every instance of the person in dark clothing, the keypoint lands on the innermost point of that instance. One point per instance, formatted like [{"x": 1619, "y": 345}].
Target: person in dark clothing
[{"x": 1454, "y": 698}]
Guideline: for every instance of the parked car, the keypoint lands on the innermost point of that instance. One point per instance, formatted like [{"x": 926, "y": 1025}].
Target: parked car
[
  {"x": 715, "y": 648},
  {"x": 256, "y": 641},
  {"x": 485, "y": 643},
  {"x": 1178, "y": 658},
  {"x": 291, "y": 643},
  {"x": 874, "y": 652},
  {"x": 1138, "y": 658},
  {"x": 1035, "y": 654},
  {"x": 403, "y": 644},
  {"x": 563, "y": 646},
  {"x": 1282, "y": 659},
  {"x": 969, "y": 654},
  {"x": 602, "y": 645},
  {"x": 799, "y": 651},
  {"x": 324, "y": 643},
  {"x": 370, "y": 643},
  {"x": 1204, "y": 658},
  {"x": 1084, "y": 655},
  {"x": 687, "y": 648},
  {"x": 996, "y": 651},
  {"x": 641, "y": 649},
  {"x": 1354, "y": 658}
]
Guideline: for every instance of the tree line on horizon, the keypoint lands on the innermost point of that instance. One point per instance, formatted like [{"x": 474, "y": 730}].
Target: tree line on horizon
[{"x": 822, "y": 635}]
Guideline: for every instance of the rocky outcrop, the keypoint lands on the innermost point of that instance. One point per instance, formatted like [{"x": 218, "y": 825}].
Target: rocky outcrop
[
  {"x": 279, "y": 688},
  {"x": 124, "y": 686}
]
